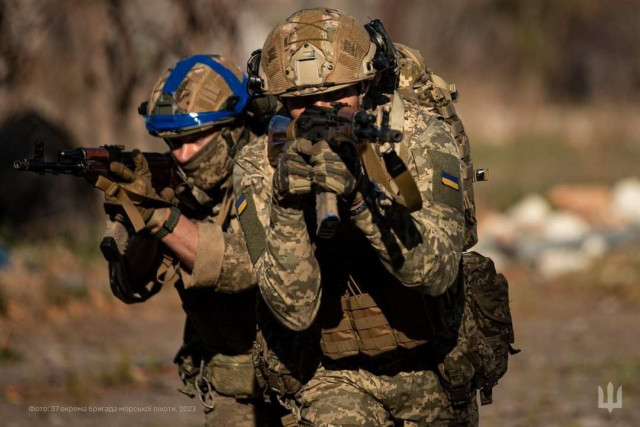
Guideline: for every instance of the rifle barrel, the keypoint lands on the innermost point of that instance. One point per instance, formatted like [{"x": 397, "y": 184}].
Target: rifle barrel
[
  {"x": 393, "y": 135},
  {"x": 52, "y": 167}
]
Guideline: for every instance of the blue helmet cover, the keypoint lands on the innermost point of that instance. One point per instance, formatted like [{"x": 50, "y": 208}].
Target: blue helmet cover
[{"x": 169, "y": 122}]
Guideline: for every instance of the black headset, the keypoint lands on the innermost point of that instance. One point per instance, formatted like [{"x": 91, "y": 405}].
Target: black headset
[
  {"x": 386, "y": 57},
  {"x": 385, "y": 60},
  {"x": 253, "y": 65}
]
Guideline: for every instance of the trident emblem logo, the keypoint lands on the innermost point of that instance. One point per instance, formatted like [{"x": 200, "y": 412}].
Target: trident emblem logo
[{"x": 610, "y": 404}]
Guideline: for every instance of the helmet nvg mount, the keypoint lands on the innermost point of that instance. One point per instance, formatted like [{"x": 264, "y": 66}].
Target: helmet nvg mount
[
  {"x": 195, "y": 95},
  {"x": 314, "y": 51}
]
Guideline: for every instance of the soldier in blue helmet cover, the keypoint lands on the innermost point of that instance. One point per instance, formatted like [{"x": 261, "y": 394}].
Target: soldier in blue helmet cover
[{"x": 199, "y": 107}]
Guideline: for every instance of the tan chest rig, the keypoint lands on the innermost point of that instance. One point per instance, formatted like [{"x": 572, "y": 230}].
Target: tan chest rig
[
  {"x": 367, "y": 319},
  {"x": 380, "y": 320}
]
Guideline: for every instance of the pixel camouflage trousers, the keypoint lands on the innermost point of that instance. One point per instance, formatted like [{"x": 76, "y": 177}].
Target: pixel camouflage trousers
[{"x": 358, "y": 397}]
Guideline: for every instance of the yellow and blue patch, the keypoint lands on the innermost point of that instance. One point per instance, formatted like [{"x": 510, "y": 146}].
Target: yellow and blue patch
[
  {"x": 241, "y": 204},
  {"x": 450, "y": 181}
]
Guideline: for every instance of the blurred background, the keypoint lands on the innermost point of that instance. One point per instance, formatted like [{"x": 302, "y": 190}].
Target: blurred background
[{"x": 549, "y": 98}]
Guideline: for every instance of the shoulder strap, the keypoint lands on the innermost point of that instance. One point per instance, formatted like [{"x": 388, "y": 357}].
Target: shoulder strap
[
  {"x": 111, "y": 188},
  {"x": 394, "y": 166},
  {"x": 225, "y": 208},
  {"x": 396, "y": 116}
]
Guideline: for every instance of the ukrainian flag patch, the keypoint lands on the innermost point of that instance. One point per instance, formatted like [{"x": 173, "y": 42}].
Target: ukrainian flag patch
[
  {"x": 241, "y": 204},
  {"x": 450, "y": 181}
]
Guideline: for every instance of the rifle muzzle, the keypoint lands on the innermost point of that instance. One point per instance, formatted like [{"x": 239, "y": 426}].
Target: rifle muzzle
[{"x": 21, "y": 165}]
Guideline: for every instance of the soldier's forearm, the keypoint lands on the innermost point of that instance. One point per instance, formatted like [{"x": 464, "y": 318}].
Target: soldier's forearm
[
  {"x": 183, "y": 241},
  {"x": 414, "y": 248},
  {"x": 422, "y": 249},
  {"x": 289, "y": 274},
  {"x": 236, "y": 274}
]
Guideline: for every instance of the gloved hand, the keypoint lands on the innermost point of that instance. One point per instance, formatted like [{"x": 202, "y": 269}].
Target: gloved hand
[
  {"x": 333, "y": 172},
  {"x": 292, "y": 176},
  {"x": 137, "y": 185}
]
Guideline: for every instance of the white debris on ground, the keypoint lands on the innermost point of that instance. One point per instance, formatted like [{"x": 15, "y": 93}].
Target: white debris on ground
[
  {"x": 565, "y": 230},
  {"x": 626, "y": 199}
]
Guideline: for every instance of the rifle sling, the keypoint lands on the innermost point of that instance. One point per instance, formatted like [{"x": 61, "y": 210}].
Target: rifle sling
[
  {"x": 375, "y": 169},
  {"x": 111, "y": 188},
  {"x": 409, "y": 196},
  {"x": 394, "y": 166},
  {"x": 409, "y": 191},
  {"x": 225, "y": 208},
  {"x": 405, "y": 182},
  {"x": 124, "y": 198}
]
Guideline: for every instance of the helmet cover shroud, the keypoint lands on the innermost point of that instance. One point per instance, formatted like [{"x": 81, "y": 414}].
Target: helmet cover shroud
[
  {"x": 314, "y": 51},
  {"x": 195, "y": 95}
]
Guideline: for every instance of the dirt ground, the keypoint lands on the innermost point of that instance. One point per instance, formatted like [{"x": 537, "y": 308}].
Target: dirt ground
[
  {"x": 576, "y": 334},
  {"x": 111, "y": 363}
]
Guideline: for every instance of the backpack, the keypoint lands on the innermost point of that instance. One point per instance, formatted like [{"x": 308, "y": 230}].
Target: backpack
[
  {"x": 417, "y": 82},
  {"x": 480, "y": 331},
  {"x": 479, "y": 328}
]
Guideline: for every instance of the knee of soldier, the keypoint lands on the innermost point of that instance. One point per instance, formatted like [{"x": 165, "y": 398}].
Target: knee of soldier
[{"x": 338, "y": 398}]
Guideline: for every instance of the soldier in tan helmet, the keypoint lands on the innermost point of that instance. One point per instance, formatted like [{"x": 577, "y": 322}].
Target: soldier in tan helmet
[
  {"x": 352, "y": 328},
  {"x": 199, "y": 106}
]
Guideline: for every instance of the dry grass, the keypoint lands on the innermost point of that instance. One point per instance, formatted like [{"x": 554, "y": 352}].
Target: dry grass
[
  {"x": 65, "y": 338},
  {"x": 575, "y": 333}
]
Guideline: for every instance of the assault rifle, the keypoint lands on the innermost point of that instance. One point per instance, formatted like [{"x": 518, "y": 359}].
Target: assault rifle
[
  {"x": 336, "y": 124},
  {"x": 341, "y": 123},
  {"x": 93, "y": 162}
]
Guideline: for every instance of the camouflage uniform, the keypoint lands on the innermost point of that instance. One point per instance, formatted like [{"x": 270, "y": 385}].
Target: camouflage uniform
[
  {"x": 220, "y": 312},
  {"x": 352, "y": 329},
  {"x": 218, "y": 294},
  {"x": 300, "y": 276}
]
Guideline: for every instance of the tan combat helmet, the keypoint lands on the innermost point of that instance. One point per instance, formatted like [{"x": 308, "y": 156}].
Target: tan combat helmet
[
  {"x": 314, "y": 51},
  {"x": 195, "y": 95}
]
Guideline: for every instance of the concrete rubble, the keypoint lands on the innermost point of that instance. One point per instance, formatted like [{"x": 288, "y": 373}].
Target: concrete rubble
[{"x": 566, "y": 229}]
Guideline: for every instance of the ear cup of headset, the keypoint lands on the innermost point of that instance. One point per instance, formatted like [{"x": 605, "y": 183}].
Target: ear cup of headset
[
  {"x": 386, "y": 55},
  {"x": 253, "y": 64}
]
